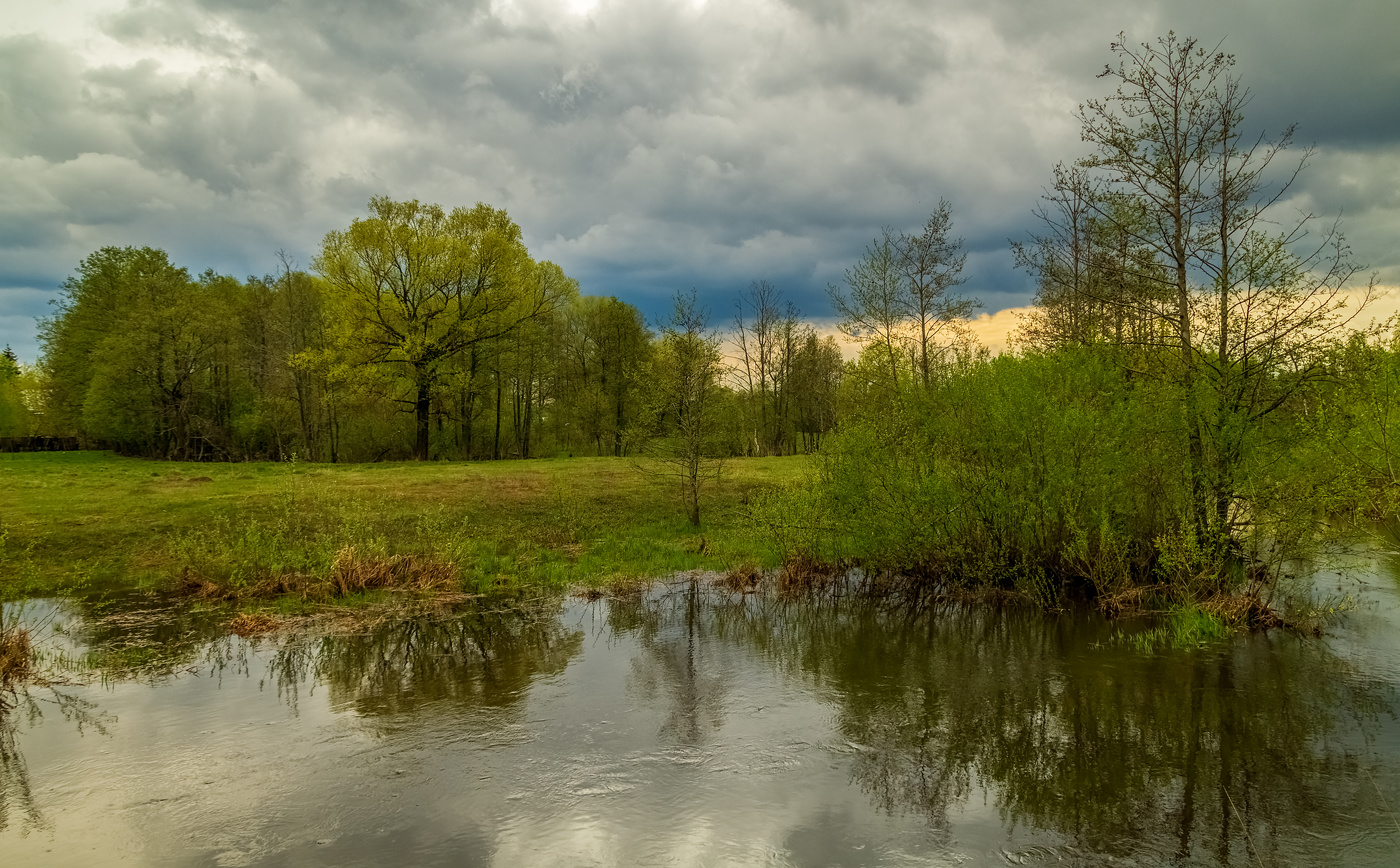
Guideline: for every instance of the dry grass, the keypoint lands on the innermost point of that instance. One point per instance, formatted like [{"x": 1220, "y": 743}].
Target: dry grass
[
  {"x": 1245, "y": 608},
  {"x": 351, "y": 573},
  {"x": 615, "y": 587},
  {"x": 804, "y": 574},
  {"x": 16, "y": 657},
  {"x": 250, "y": 624},
  {"x": 743, "y": 579}
]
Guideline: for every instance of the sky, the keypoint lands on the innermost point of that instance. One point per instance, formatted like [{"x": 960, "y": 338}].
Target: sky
[{"x": 646, "y": 146}]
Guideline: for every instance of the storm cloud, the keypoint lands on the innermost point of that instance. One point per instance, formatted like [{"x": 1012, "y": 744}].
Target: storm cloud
[{"x": 644, "y": 145}]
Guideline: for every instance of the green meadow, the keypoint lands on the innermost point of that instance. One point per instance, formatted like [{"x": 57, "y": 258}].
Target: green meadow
[{"x": 92, "y": 523}]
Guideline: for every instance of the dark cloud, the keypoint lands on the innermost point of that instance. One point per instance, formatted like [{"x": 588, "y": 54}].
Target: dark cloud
[{"x": 645, "y": 145}]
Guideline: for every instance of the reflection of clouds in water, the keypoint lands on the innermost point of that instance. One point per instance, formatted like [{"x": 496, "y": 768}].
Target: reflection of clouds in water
[
  {"x": 685, "y": 729},
  {"x": 26, "y": 708}
]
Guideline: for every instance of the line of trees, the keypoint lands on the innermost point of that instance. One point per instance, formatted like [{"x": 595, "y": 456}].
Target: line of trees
[{"x": 417, "y": 333}]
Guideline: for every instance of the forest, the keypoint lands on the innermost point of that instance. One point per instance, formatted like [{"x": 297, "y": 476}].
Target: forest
[{"x": 1195, "y": 400}]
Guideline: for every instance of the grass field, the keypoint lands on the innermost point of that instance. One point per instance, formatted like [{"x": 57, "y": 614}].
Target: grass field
[{"x": 92, "y": 523}]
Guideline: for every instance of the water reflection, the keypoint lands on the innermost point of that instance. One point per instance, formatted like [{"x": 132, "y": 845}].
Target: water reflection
[
  {"x": 24, "y": 708},
  {"x": 481, "y": 657},
  {"x": 816, "y": 732},
  {"x": 1204, "y": 754},
  {"x": 680, "y": 669}
]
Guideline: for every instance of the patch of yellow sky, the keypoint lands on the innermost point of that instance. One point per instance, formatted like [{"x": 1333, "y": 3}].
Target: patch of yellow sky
[{"x": 993, "y": 330}]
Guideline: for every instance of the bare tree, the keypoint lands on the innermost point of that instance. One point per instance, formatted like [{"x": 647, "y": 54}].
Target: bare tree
[
  {"x": 766, "y": 334},
  {"x": 932, "y": 264}
]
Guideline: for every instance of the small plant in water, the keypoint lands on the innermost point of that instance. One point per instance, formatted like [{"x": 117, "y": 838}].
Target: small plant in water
[{"x": 1184, "y": 627}]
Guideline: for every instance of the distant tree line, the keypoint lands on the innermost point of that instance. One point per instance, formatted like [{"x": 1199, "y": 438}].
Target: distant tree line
[{"x": 417, "y": 333}]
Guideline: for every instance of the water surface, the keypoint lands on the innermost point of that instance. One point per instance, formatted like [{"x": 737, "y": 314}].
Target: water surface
[{"x": 692, "y": 727}]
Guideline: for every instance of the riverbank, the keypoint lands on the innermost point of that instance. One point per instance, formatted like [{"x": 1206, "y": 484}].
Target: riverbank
[{"x": 93, "y": 523}]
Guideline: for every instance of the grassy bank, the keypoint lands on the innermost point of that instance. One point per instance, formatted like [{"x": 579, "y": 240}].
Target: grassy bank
[{"x": 92, "y": 523}]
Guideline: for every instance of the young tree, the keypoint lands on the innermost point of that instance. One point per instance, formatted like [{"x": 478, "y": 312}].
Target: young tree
[
  {"x": 873, "y": 305},
  {"x": 932, "y": 265},
  {"x": 687, "y": 373},
  {"x": 900, "y": 297}
]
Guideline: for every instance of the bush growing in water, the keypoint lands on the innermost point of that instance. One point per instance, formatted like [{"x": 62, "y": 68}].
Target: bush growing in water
[{"x": 1042, "y": 474}]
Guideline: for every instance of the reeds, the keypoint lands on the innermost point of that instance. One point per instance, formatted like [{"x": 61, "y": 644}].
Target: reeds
[
  {"x": 743, "y": 579},
  {"x": 16, "y": 656}
]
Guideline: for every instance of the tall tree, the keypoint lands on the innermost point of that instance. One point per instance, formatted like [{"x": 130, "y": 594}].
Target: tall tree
[
  {"x": 1250, "y": 321},
  {"x": 419, "y": 286},
  {"x": 137, "y": 354},
  {"x": 816, "y": 372},
  {"x": 14, "y": 412},
  {"x": 766, "y": 334}
]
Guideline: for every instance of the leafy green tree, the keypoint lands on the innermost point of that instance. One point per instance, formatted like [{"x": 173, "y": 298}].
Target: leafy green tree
[
  {"x": 606, "y": 352},
  {"x": 14, "y": 412},
  {"x": 139, "y": 354},
  {"x": 418, "y": 287},
  {"x": 817, "y": 368}
]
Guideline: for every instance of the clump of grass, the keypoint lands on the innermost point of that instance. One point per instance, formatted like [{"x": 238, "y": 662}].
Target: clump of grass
[
  {"x": 16, "y": 656},
  {"x": 251, "y": 624},
  {"x": 351, "y": 573},
  {"x": 1184, "y": 627},
  {"x": 743, "y": 579},
  {"x": 801, "y": 573}
]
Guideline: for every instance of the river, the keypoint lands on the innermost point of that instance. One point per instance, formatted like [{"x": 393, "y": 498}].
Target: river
[{"x": 688, "y": 726}]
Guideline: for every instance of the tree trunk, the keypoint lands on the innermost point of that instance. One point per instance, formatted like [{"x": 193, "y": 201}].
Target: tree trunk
[{"x": 422, "y": 406}]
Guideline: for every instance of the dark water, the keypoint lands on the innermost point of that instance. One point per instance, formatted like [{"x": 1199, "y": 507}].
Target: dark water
[{"x": 695, "y": 728}]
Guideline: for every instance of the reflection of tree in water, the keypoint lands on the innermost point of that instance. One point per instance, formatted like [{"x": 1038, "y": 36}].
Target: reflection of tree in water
[
  {"x": 481, "y": 657},
  {"x": 680, "y": 666},
  {"x": 26, "y": 707},
  {"x": 1073, "y": 732}
]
